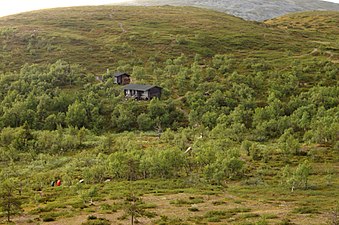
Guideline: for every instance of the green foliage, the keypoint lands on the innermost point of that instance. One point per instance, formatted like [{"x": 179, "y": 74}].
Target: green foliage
[
  {"x": 95, "y": 173},
  {"x": 145, "y": 122},
  {"x": 324, "y": 126},
  {"x": 189, "y": 201},
  {"x": 302, "y": 173},
  {"x": 225, "y": 166},
  {"x": 124, "y": 165},
  {"x": 133, "y": 207},
  {"x": 167, "y": 163},
  {"x": 215, "y": 85},
  {"x": 288, "y": 144},
  {"x": 217, "y": 216},
  {"x": 76, "y": 115},
  {"x": 93, "y": 220},
  {"x": 297, "y": 178},
  {"x": 10, "y": 203},
  {"x": 236, "y": 104}
]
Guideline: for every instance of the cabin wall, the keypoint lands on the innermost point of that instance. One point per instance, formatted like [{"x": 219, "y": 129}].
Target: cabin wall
[
  {"x": 135, "y": 94},
  {"x": 155, "y": 92},
  {"x": 125, "y": 80},
  {"x": 145, "y": 95},
  {"x": 122, "y": 80}
]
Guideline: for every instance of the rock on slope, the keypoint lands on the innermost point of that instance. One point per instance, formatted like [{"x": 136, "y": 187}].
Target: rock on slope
[{"x": 258, "y": 10}]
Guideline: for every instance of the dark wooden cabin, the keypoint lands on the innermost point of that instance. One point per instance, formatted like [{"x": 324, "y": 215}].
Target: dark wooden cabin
[
  {"x": 142, "y": 92},
  {"x": 122, "y": 78}
]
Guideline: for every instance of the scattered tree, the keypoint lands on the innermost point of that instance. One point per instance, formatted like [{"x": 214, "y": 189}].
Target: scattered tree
[
  {"x": 133, "y": 208},
  {"x": 10, "y": 203}
]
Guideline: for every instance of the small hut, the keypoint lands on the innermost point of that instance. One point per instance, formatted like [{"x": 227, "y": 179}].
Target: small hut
[
  {"x": 122, "y": 78},
  {"x": 142, "y": 91}
]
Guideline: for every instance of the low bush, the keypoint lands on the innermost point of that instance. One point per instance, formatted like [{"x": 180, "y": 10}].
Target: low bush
[{"x": 93, "y": 220}]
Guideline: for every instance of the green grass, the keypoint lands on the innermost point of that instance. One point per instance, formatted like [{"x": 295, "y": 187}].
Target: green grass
[
  {"x": 92, "y": 36},
  {"x": 93, "y": 220},
  {"x": 191, "y": 200}
]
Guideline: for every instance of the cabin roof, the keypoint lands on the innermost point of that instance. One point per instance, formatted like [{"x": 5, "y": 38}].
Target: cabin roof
[
  {"x": 139, "y": 87},
  {"x": 118, "y": 74}
]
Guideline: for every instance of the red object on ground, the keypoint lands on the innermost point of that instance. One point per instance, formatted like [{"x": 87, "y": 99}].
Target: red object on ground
[{"x": 58, "y": 183}]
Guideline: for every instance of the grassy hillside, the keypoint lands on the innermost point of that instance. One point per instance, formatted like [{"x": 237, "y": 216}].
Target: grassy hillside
[
  {"x": 320, "y": 22},
  {"x": 318, "y": 27},
  {"x": 245, "y": 132},
  {"x": 98, "y": 37}
]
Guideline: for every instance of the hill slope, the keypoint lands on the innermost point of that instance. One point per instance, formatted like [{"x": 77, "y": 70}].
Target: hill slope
[
  {"x": 320, "y": 28},
  {"x": 258, "y": 10},
  {"x": 194, "y": 54},
  {"x": 245, "y": 132},
  {"x": 99, "y": 37}
]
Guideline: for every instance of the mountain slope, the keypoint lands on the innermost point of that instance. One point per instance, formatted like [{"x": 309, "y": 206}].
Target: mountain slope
[
  {"x": 318, "y": 27},
  {"x": 246, "y": 130},
  {"x": 258, "y": 10},
  {"x": 320, "y": 22},
  {"x": 101, "y": 37}
]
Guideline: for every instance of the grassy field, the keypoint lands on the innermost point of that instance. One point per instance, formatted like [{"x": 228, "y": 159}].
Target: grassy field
[{"x": 261, "y": 197}]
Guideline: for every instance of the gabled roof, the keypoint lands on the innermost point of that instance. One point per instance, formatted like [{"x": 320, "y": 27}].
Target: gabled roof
[
  {"x": 139, "y": 87},
  {"x": 118, "y": 74}
]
